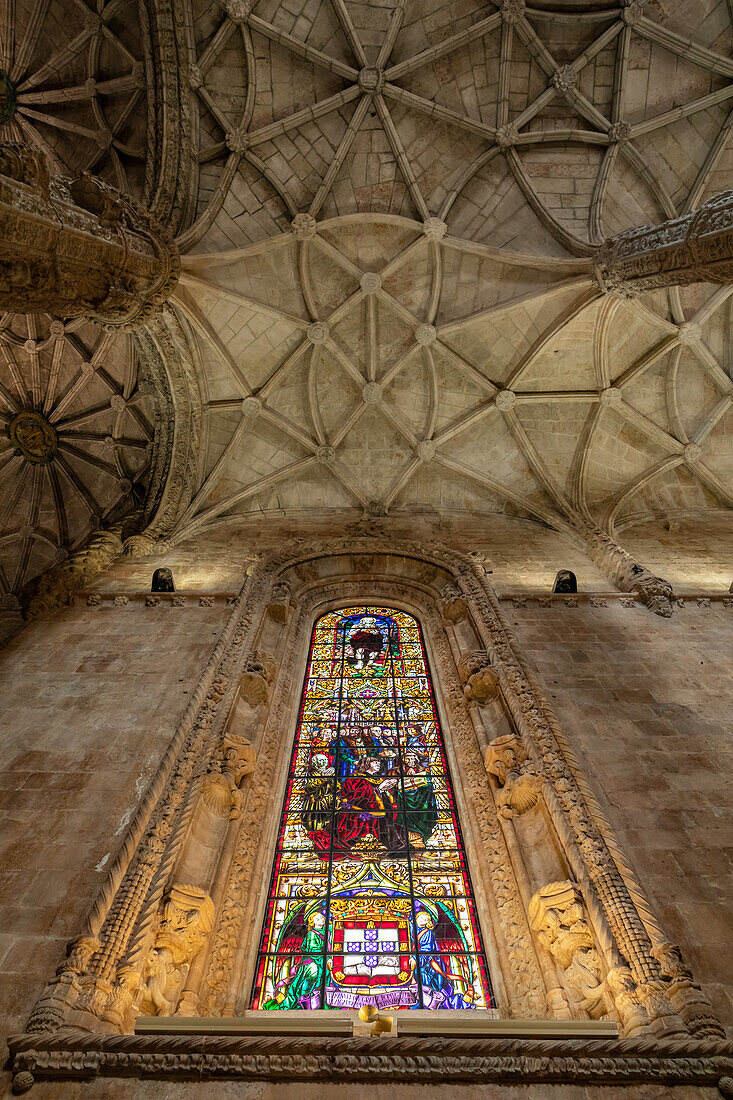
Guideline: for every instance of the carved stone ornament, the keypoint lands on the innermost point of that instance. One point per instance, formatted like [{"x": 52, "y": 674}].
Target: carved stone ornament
[
  {"x": 145, "y": 929},
  {"x": 519, "y": 781},
  {"x": 279, "y": 605},
  {"x": 453, "y": 605},
  {"x": 186, "y": 919},
  {"x": 558, "y": 917},
  {"x": 694, "y": 248},
  {"x": 78, "y": 247},
  {"x": 481, "y": 684},
  {"x": 256, "y": 679},
  {"x": 626, "y": 573}
]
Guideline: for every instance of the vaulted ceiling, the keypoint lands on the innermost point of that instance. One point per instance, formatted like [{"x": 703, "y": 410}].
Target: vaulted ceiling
[
  {"x": 388, "y": 225},
  {"x": 77, "y": 73},
  {"x": 390, "y": 276}
]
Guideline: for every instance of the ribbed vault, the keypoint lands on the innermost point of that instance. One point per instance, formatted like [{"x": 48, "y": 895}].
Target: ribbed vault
[{"x": 390, "y": 275}]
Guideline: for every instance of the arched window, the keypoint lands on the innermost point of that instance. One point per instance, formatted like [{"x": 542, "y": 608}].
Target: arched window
[{"x": 370, "y": 900}]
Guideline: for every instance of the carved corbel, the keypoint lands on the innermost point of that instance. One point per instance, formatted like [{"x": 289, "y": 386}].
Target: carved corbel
[
  {"x": 279, "y": 606},
  {"x": 186, "y": 919},
  {"x": 258, "y": 674},
  {"x": 558, "y": 919},
  {"x": 480, "y": 682},
  {"x": 452, "y": 605},
  {"x": 519, "y": 781}
]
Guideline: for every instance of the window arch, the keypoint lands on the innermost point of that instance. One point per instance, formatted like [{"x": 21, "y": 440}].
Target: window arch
[{"x": 370, "y": 899}]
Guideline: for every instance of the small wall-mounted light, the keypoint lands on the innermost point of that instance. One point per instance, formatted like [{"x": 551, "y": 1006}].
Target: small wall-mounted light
[
  {"x": 162, "y": 581},
  {"x": 565, "y": 581}
]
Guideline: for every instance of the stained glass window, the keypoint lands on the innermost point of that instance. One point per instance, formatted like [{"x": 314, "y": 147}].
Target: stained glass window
[{"x": 370, "y": 900}]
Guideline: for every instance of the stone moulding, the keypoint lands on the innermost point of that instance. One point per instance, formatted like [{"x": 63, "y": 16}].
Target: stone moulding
[
  {"x": 431, "y": 1059},
  {"x": 677, "y": 1037}
]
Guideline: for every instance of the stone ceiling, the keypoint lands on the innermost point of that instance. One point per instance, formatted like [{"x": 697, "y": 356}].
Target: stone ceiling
[
  {"x": 390, "y": 281},
  {"x": 389, "y": 214}
]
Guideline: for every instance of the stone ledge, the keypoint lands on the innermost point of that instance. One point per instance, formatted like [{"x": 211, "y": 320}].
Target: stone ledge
[
  {"x": 71, "y": 1054},
  {"x": 603, "y": 599},
  {"x": 183, "y": 598}
]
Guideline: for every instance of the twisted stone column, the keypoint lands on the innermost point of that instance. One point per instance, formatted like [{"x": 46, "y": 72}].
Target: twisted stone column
[
  {"x": 626, "y": 574},
  {"x": 78, "y": 247},
  {"x": 695, "y": 248}
]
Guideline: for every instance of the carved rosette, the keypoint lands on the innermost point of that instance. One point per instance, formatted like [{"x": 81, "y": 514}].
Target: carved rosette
[
  {"x": 78, "y": 247},
  {"x": 695, "y": 248}
]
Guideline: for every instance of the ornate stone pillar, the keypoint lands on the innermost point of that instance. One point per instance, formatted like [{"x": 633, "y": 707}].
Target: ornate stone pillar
[
  {"x": 695, "y": 248},
  {"x": 626, "y": 574},
  {"x": 78, "y": 247}
]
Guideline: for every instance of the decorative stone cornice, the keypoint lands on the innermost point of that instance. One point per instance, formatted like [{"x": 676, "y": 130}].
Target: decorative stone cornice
[
  {"x": 624, "y": 1062},
  {"x": 78, "y": 247},
  {"x": 695, "y": 248}
]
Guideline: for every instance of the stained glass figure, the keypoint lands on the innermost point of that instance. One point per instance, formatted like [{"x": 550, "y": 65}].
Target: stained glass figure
[{"x": 370, "y": 900}]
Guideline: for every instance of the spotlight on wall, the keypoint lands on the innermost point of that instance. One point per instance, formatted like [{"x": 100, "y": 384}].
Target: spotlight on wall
[
  {"x": 162, "y": 581},
  {"x": 565, "y": 581}
]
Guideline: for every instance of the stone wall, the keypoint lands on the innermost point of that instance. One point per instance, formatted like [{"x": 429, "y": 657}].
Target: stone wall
[
  {"x": 89, "y": 697},
  {"x": 647, "y": 704}
]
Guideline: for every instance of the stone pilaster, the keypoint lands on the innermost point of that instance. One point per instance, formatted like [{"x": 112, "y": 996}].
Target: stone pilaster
[
  {"x": 78, "y": 247},
  {"x": 695, "y": 248}
]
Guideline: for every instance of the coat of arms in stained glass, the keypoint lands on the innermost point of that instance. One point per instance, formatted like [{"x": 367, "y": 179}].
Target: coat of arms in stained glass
[{"x": 370, "y": 900}]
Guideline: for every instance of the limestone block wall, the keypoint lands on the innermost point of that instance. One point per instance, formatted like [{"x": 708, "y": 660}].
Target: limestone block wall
[
  {"x": 647, "y": 703},
  {"x": 89, "y": 697}
]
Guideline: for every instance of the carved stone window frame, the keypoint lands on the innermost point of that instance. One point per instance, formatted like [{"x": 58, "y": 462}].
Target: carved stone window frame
[{"x": 467, "y": 770}]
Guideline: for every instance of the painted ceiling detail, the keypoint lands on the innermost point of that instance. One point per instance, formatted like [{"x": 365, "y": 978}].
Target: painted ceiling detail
[{"x": 391, "y": 279}]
